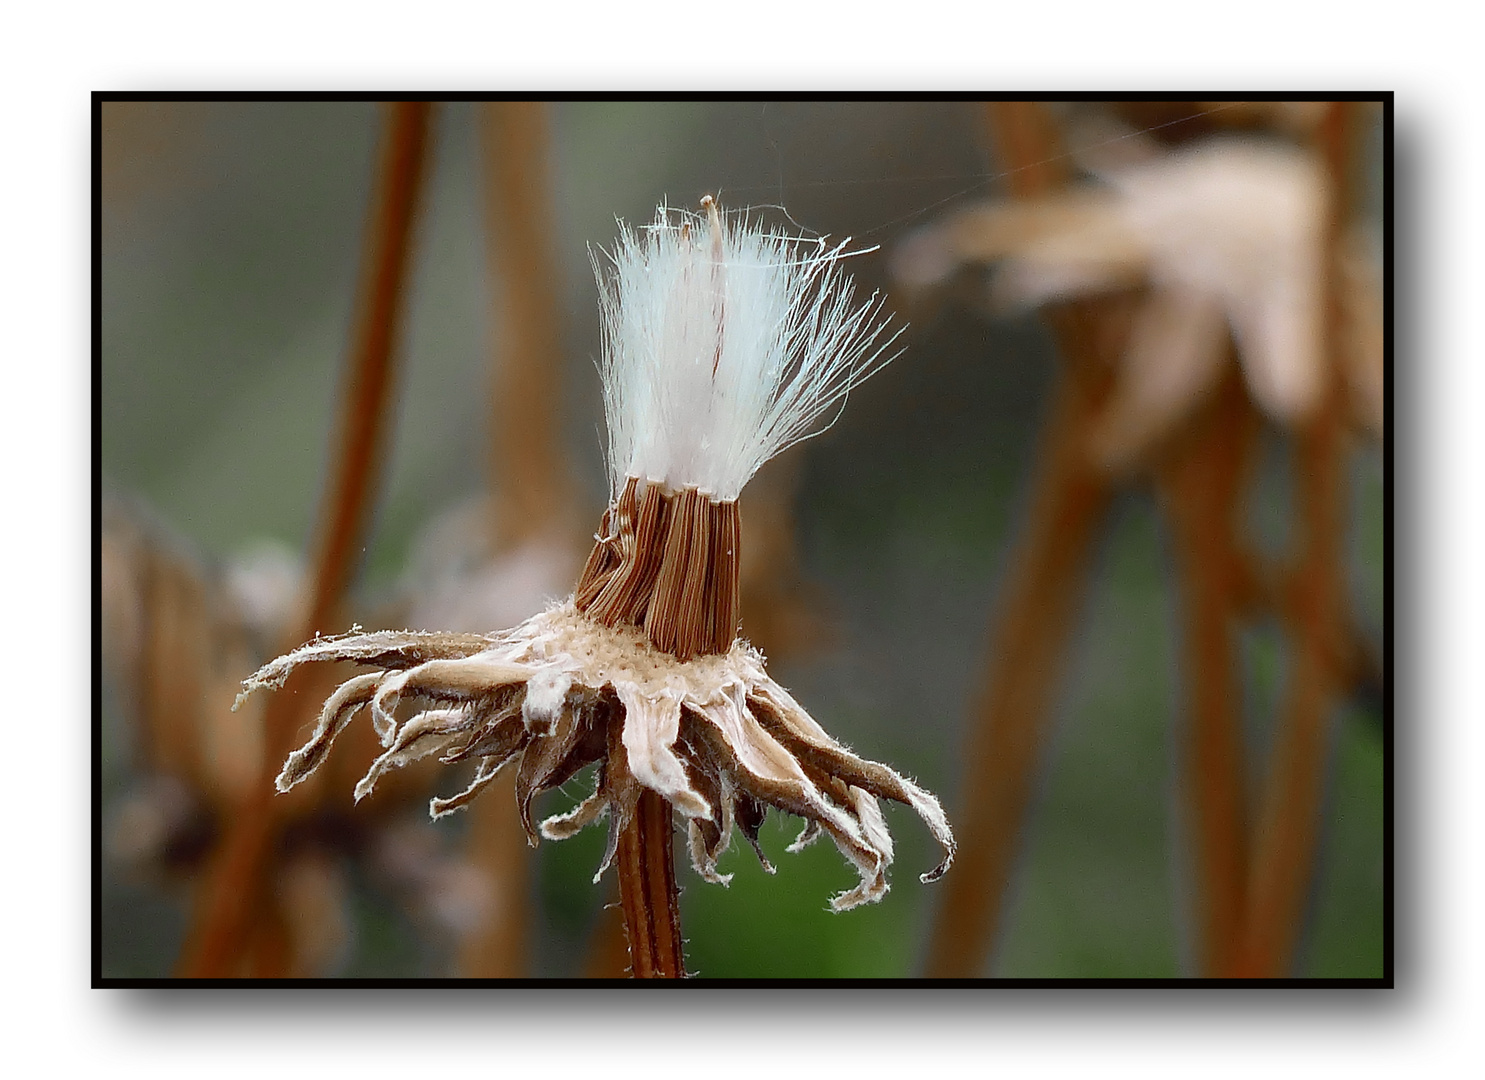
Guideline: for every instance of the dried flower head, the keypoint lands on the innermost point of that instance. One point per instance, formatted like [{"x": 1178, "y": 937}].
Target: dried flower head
[
  {"x": 723, "y": 344},
  {"x": 1229, "y": 236}
]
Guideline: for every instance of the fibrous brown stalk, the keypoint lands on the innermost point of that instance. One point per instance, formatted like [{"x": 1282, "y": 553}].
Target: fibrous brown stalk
[
  {"x": 1202, "y": 478},
  {"x": 1047, "y": 579},
  {"x": 235, "y": 889},
  {"x": 647, "y": 892},
  {"x": 1287, "y": 822},
  {"x": 667, "y": 563}
]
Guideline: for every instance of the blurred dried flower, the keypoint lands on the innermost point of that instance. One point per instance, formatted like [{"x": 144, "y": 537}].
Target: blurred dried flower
[
  {"x": 1227, "y": 234},
  {"x": 174, "y": 627}
]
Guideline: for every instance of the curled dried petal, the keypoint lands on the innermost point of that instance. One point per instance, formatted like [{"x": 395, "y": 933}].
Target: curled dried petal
[{"x": 714, "y": 735}]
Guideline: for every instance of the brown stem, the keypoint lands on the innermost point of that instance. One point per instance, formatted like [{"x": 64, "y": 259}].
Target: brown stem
[
  {"x": 526, "y": 460},
  {"x": 1287, "y": 831},
  {"x": 787, "y": 615},
  {"x": 1286, "y": 837},
  {"x": 608, "y": 947},
  {"x": 235, "y": 888},
  {"x": 1047, "y": 578},
  {"x": 645, "y": 863},
  {"x": 528, "y": 486},
  {"x": 385, "y": 271},
  {"x": 1202, "y": 478},
  {"x": 497, "y": 844},
  {"x": 1025, "y": 134}
]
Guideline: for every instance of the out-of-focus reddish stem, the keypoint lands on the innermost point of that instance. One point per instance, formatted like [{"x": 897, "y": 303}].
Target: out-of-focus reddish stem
[
  {"x": 1202, "y": 478},
  {"x": 529, "y": 489},
  {"x": 527, "y": 475},
  {"x": 497, "y": 845},
  {"x": 236, "y": 888},
  {"x": 1031, "y": 152},
  {"x": 385, "y": 271},
  {"x": 1287, "y": 825},
  {"x": 1046, "y": 579}
]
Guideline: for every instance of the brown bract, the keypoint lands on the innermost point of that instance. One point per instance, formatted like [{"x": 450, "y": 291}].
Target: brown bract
[{"x": 588, "y": 681}]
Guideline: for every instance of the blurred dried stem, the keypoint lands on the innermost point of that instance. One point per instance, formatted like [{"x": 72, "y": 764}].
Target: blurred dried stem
[
  {"x": 535, "y": 498},
  {"x": 531, "y": 496},
  {"x": 1047, "y": 580},
  {"x": 1202, "y": 479},
  {"x": 1287, "y": 821},
  {"x": 226, "y": 937}
]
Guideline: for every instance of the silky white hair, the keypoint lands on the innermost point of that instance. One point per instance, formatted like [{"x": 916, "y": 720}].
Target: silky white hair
[{"x": 723, "y": 344}]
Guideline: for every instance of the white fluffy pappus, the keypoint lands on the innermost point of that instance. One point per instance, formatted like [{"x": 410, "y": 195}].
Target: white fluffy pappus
[{"x": 723, "y": 344}]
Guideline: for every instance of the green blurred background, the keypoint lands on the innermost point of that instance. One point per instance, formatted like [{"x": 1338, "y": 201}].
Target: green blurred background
[{"x": 231, "y": 233}]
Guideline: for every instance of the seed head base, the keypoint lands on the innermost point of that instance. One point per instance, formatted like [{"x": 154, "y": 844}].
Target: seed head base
[
  {"x": 669, "y": 564},
  {"x": 714, "y": 735}
]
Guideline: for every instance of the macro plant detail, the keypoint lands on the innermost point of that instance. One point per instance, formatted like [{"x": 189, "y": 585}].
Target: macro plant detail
[
  {"x": 1104, "y": 600},
  {"x": 724, "y": 344}
]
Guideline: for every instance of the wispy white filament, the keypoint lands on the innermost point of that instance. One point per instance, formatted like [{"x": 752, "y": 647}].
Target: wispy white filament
[{"x": 723, "y": 345}]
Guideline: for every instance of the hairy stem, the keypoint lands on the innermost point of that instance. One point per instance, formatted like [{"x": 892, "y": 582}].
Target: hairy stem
[{"x": 647, "y": 891}]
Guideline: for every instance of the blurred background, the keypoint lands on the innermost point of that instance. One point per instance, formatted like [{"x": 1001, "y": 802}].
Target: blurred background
[{"x": 232, "y": 234}]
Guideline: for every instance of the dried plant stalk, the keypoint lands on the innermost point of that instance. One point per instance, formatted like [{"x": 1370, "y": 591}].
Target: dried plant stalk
[
  {"x": 1284, "y": 294},
  {"x": 530, "y": 491},
  {"x": 1202, "y": 479},
  {"x": 526, "y": 473},
  {"x": 1287, "y": 822},
  {"x": 687, "y": 603},
  {"x": 1047, "y": 579},
  {"x": 648, "y": 894},
  {"x": 233, "y": 890}
]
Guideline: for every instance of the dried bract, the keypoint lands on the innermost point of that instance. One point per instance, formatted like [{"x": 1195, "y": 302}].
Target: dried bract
[{"x": 718, "y": 738}]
